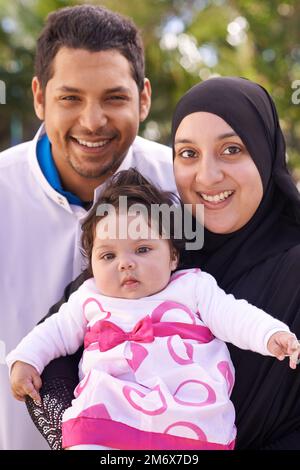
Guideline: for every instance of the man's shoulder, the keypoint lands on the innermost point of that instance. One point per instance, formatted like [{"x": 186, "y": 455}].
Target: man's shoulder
[
  {"x": 14, "y": 155},
  {"x": 145, "y": 146}
]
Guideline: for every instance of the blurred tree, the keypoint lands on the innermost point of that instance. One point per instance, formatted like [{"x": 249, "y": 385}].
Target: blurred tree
[
  {"x": 185, "y": 41},
  {"x": 273, "y": 33},
  {"x": 20, "y": 24}
]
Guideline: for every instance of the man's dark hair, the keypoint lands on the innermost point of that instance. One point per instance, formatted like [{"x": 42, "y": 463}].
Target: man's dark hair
[
  {"x": 93, "y": 28},
  {"x": 138, "y": 190}
]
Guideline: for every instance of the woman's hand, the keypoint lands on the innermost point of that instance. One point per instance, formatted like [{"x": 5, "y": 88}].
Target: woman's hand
[
  {"x": 25, "y": 380},
  {"x": 282, "y": 344}
]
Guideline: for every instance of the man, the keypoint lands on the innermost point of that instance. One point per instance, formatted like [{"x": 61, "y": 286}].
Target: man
[{"x": 90, "y": 91}]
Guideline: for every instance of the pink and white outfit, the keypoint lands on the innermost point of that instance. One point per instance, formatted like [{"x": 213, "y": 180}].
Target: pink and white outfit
[{"x": 155, "y": 373}]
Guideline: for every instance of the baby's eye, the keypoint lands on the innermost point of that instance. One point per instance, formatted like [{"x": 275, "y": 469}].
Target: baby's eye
[
  {"x": 188, "y": 153},
  {"x": 143, "y": 249},
  {"x": 232, "y": 150},
  {"x": 108, "y": 256}
]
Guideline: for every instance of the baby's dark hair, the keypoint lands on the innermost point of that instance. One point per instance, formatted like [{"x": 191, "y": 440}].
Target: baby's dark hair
[{"x": 138, "y": 190}]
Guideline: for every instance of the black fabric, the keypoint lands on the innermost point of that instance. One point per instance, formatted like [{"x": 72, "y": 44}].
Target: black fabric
[
  {"x": 56, "y": 394},
  {"x": 260, "y": 262}
]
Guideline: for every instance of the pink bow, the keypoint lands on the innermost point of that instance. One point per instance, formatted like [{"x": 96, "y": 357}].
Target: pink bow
[{"x": 110, "y": 335}]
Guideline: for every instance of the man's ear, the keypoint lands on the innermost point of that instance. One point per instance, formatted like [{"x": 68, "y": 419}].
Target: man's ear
[
  {"x": 38, "y": 98},
  {"x": 145, "y": 100}
]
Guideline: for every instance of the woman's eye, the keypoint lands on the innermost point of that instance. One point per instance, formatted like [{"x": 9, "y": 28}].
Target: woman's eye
[
  {"x": 187, "y": 154},
  {"x": 232, "y": 150},
  {"x": 143, "y": 249}
]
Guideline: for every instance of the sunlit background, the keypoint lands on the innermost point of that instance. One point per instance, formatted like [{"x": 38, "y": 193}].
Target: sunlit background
[{"x": 185, "y": 42}]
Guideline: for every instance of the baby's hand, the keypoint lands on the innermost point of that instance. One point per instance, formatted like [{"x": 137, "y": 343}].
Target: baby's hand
[
  {"x": 25, "y": 380},
  {"x": 283, "y": 344}
]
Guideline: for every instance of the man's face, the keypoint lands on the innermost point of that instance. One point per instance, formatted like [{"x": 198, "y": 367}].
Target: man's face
[{"x": 92, "y": 109}]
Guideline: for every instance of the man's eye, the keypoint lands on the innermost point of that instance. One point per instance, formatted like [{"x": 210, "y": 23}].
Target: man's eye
[
  {"x": 118, "y": 98},
  {"x": 143, "y": 249},
  {"x": 70, "y": 98},
  {"x": 232, "y": 150},
  {"x": 187, "y": 154}
]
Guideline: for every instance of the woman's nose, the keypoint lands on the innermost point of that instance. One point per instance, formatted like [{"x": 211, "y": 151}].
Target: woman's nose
[
  {"x": 93, "y": 117},
  {"x": 209, "y": 171}
]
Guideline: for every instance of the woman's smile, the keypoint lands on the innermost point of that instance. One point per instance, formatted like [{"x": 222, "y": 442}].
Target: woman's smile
[{"x": 216, "y": 200}]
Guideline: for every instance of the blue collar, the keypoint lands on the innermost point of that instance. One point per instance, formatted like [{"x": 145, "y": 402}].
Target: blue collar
[{"x": 47, "y": 165}]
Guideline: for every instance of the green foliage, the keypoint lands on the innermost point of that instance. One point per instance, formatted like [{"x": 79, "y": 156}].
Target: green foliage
[{"x": 185, "y": 41}]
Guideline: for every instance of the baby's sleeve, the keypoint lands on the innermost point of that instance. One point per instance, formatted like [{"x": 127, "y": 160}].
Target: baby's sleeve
[
  {"x": 234, "y": 320},
  {"x": 59, "y": 335}
]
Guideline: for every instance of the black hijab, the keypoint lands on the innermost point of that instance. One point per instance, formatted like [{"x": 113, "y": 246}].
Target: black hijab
[
  {"x": 275, "y": 227},
  {"x": 260, "y": 262}
]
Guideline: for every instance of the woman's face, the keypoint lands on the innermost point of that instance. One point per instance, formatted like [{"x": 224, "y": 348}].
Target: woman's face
[{"x": 213, "y": 167}]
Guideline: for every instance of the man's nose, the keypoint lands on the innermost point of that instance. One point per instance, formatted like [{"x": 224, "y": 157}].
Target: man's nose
[
  {"x": 93, "y": 117},
  {"x": 209, "y": 171}
]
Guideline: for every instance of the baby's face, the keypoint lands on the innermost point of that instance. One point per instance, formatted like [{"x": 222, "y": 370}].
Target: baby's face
[{"x": 130, "y": 266}]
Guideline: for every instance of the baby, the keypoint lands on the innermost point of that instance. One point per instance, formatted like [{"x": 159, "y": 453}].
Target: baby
[{"x": 155, "y": 372}]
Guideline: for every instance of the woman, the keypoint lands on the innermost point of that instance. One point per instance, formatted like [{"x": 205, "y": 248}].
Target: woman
[{"x": 229, "y": 154}]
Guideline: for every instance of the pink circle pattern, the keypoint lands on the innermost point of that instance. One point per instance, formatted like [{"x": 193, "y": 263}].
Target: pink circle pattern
[
  {"x": 225, "y": 370},
  {"x": 103, "y": 314},
  {"x": 211, "y": 396},
  {"x": 129, "y": 392},
  {"x": 164, "y": 307},
  {"x": 139, "y": 353},
  {"x": 175, "y": 356},
  {"x": 190, "y": 426}
]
